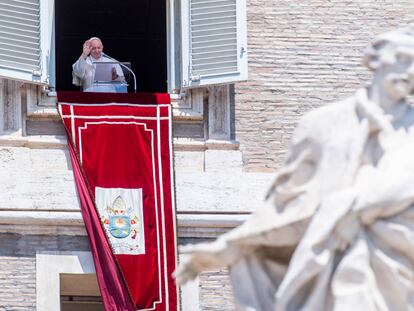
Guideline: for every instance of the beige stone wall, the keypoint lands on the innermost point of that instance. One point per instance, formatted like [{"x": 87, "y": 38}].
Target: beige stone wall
[
  {"x": 302, "y": 54},
  {"x": 18, "y": 272},
  {"x": 215, "y": 291},
  {"x": 18, "y": 266}
]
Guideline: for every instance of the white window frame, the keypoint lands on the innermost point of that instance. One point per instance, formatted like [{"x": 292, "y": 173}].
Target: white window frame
[
  {"x": 47, "y": 42},
  {"x": 49, "y": 266},
  {"x": 242, "y": 66}
]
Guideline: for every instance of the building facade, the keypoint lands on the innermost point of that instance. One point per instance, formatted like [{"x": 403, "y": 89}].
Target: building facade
[{"x": 229, "y": 137}]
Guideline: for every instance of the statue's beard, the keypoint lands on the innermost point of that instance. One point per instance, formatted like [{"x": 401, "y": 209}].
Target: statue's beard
[{"x": 398, "y": 86}]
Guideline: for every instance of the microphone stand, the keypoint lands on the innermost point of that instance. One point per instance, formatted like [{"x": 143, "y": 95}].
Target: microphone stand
[{"x": 126, "y": 67}]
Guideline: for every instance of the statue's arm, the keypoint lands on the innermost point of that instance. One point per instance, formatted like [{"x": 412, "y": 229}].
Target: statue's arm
[{"x": 274, "y": 224}]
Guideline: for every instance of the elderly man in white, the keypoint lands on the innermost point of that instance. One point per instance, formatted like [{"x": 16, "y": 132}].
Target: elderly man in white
[
  {"x": 84, "y": 68},
  {"x": 338, "y": 231}
]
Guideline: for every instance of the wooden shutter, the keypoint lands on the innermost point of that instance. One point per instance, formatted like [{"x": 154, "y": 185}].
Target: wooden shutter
[
  {"x": 213, "y": 42},
  {"x": 20, "y": 40}
]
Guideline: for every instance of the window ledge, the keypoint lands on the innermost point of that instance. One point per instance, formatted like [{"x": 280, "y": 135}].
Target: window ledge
[
  {"x": 48, "y": 109},
  {"x": 182, "y": 144},
  {"x": 34, "y": 142},
  {"x": 59, "y": 142}
]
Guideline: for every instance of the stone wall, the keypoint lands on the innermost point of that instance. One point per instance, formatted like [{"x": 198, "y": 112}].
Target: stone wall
[
  {"x": 18, "y": 271},
  {"x": 302, "y": 54},
  {"x": 215, "y": 291},
  {"x": 18, "y": 266}
]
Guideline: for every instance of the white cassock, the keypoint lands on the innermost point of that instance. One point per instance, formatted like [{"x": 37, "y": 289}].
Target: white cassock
[{"x": 83, "y": 73}]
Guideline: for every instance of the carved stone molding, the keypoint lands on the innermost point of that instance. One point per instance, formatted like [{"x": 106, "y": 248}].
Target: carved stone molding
[{"x": 189, "y": 106}]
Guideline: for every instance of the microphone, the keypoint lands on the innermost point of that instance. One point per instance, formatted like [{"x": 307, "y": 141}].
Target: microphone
[{"x": 126, "y": 67}]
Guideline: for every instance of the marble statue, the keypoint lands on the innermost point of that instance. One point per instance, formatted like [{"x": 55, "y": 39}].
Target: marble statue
[{"x": 337, "y": 232}]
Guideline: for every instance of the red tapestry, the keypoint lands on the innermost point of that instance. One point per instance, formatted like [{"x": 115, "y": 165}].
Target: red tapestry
[{"x": 121, "y": 152}]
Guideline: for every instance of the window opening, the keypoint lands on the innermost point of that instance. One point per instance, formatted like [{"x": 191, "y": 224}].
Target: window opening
[{"x": 131, "y": 31}]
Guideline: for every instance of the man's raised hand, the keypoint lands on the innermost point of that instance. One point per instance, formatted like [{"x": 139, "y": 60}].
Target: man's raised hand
[{"x": 87, "y": 47}]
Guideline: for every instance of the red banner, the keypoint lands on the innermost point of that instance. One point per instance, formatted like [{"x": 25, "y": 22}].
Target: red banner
[{"x": 121, "y": 152}]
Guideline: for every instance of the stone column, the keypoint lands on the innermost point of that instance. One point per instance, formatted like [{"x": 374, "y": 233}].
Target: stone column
[
  {"x": 2, "y": 104},
  {"x": 12, "y": 113},
  {"x": 219, "y": 127}
]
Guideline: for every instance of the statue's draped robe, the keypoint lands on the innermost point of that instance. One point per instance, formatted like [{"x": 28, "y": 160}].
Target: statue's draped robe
[{"x": 348, "y": 246}]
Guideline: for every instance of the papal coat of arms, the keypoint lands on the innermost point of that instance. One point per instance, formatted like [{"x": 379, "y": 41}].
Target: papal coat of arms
[{"x": 121, "y": 214}]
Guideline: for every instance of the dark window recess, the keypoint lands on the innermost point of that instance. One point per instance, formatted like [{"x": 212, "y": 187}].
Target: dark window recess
[
  {"x": 81, "y": 303},
  {"x": 131, "y": 30}
]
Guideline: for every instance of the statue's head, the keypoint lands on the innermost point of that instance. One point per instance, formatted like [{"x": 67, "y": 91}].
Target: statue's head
[{"x": 391, "y": 57}]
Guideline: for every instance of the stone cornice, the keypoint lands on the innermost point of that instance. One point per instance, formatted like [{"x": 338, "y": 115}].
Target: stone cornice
[
  {"x": 59, "y": 142},
  {"x": 194, "y": 225}
]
